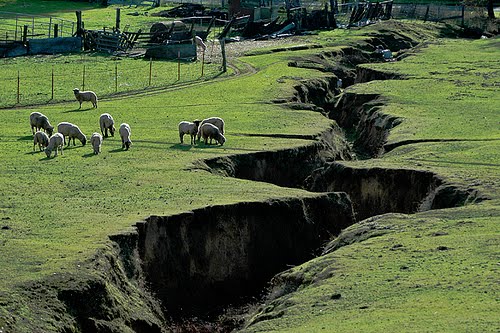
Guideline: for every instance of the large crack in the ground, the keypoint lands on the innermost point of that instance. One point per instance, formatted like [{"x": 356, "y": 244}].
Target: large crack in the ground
[{"x": 200, "y": 263}]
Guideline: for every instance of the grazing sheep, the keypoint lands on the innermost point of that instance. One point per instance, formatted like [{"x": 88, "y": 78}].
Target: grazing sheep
[
  {"x": 56, "y": 141},
  {"x": 85, "y": 96},
  {"x": 218, "y": 122},
  {"x": 125, "y": 135},
  {"x": 185, "y": 127},
  {"x": 41, "y": 139},
  {"x": 208, "y": 130},
  {"x": 40, "y": 121},
  {"x": 198, "y": 41},
  {"x": 106, "y": 123},
  {"x": 71, "y": 131},
  {"x": 96, "y": 142}
]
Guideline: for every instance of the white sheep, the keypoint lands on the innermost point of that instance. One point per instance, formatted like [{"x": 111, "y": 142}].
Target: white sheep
[
  {"x": 198, "y": 41},
  {"x": 40, "y": 121},
  {"x": 186, "y": 127},
  {"x": 71, "y": 131},
  {"x": 210, "y": 131},
  {"x": 85, "y": 96},
  {"x": 56, "y": 141},
  {"x": 96, "y": 142},
  {"x": 106, "y": 123},
  {"x": 218, "y": 122},
  {"x": 41, "y": 139},
  {"x": 125, "y": 135}
]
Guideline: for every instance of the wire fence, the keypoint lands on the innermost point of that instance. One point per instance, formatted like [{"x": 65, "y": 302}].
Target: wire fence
[
  {"x": 52, "y": 80},
  {"x": 466, "y": 16},
  {"x": 13, "y": 26}
]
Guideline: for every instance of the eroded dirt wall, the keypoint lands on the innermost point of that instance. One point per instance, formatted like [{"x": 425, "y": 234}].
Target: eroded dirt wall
[
  {"x": 376, "y": 191},
  {"x": 287, "y": 167},
  {"x": 215, "y": 255}
]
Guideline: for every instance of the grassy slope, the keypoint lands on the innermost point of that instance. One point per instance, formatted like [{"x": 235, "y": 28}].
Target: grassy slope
[
  {"x": 61, "y": 210},
  {"x": 434, "y": 271}
]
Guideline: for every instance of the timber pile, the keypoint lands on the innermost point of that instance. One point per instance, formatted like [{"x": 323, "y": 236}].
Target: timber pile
[{"x": 109, "y": 41}]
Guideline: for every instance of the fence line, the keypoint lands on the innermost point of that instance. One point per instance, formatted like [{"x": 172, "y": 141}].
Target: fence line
[
  {"x": 39, "y": 26},
  {"x": 22, "y": 87}
]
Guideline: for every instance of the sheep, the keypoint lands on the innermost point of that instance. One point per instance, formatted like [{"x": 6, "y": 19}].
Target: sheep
[
  {"x": 85, "y": 96},
  {"x": 125, "y": 135},
  {"x": 96, "y": 141},
  {"x": 198, "y": 41},
  {"x": 106, "y": 123},
  {"x": 41, "y": 139},
  {"x": 56, "y": 141},
  {"x": 211, "y": 131},
  {"x": 219, "y": 122},
  {"x": 185, "y": 127},
  {"x": 40, "y": 121},
  {"x": 71, "y": 131}
]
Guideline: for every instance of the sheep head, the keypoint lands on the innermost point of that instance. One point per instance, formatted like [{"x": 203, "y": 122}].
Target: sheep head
[{"x": 50, "y": 130}]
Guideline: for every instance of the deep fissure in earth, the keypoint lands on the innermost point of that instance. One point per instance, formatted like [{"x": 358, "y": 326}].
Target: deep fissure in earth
[{"x": 198, "y": 262}]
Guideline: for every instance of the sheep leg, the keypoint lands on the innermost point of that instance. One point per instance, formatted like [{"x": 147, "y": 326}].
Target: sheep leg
[
  {"x": 181, "y": 136},
  {"x": 123, "y": 143}
]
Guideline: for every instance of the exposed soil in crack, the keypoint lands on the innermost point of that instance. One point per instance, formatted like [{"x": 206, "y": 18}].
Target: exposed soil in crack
[{"x": 199, "y": 263}]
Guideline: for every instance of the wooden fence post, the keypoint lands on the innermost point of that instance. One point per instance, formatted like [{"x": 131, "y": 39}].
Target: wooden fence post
[
  {"x": 25, "y": 34},
  {"x": 426, "y": 16},
  {"x": 150, "y": 69},
  {"x": 52, "y": 96},
  {"x": 178, "y": 65},
  {"x": 117, "y": 24},
  {"x": 463, "y": 15},
  {"x": 56, "y": 30},
  {"x": 18, "y": 86},
  {"x": 202, "y": 61},
  {"x": 79, "y": 27},
  {"x": 116, "y": 77}
]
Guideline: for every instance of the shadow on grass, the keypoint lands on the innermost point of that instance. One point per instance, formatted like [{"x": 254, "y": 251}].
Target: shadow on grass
[
  {"x": 52, "y": 156},
  {"x": 25, "y": 138},
  {"x": 89, "y": 155},
  {"x": 79, "y": 110},
  {"x": 182, "y": 146},
  {"x": 37, "y": 151},
  {"x": 117, "y": 150}
]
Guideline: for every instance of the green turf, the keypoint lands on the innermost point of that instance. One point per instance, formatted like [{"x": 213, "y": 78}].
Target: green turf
[
  {"x": 60, "y": 211},
  {"x": 434, "y": 271}
]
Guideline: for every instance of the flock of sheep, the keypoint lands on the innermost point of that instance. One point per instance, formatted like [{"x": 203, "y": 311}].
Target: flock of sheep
[
  {"x": 51, "y": 141},
  {"x": 210, "y": 128}
]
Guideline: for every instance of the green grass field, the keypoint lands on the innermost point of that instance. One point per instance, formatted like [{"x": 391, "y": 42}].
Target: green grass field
[{"x": 434, "y": 271}]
